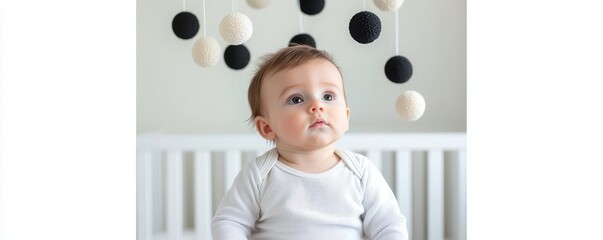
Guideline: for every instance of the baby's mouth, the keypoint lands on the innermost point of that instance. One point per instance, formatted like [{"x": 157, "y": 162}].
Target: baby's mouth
[{"x": 318, "y": 124}]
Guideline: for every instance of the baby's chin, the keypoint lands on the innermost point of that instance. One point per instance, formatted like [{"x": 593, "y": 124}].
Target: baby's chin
[
  {"x": 309, "y": 144},
  {"x": 321, "y": 141}
]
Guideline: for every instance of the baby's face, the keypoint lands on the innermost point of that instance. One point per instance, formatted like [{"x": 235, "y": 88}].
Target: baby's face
[{"x": 305, "y": 106}]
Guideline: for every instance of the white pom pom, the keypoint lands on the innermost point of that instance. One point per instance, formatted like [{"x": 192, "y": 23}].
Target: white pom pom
[
  {"x": 236, "y": 28},
  {"x": 258, "y": 3},
  {"x": 206, "y": 52},
  {"x": 388, "y": 5},
  {"x": 410, "y": 105}
]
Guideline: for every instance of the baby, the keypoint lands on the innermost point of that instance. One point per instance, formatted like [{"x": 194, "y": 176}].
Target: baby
[{"x": 305, "y": 187}]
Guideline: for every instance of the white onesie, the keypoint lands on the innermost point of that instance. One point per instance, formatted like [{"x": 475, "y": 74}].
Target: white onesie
[{"x": 270, "y": 200}]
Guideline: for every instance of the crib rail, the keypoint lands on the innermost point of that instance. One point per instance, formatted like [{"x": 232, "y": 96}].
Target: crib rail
[{"x": 426, "y": 172}]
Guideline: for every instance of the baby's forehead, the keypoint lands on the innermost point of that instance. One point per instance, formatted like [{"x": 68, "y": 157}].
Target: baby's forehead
[
  {"x": 306, "y": 74},
  {"x": 311, "y": 64}
]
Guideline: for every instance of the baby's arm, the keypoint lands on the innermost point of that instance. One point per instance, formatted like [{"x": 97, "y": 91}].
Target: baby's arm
[
  {"x": 239, "y": 210},
  {"x": 382, "y": 217}
]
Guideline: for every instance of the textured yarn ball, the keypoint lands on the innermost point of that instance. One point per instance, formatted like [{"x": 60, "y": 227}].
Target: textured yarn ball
[
  {"x": 398, "y": 69},
  {"x": 410, "y": 105},
  {"x": 206, "y": 52},
  {"x": 311, "y": 7},
  {"x": 365, "y": 27},
  {"x": 258, "y": 3},
  {"x": 236, "y": 56},
  {"x": 388, "y": 5},
  {"x": 303, "y": 39},
  {"x": 185, "y": 25},
  {"x": 236, "y": 28}
]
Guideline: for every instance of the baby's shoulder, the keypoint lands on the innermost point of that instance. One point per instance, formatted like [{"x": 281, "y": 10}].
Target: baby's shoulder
[
  {"x": 264, "y": 163},
  {"x": 356, "y": 162}
]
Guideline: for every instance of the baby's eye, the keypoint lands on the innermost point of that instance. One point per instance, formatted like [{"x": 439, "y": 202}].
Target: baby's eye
[
  {"x": 295, "y": 100},
  {"x": 328, "y": 97}
]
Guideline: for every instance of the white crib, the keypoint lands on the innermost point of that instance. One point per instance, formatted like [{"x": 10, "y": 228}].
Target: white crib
[{"x": 182, "y": 178}]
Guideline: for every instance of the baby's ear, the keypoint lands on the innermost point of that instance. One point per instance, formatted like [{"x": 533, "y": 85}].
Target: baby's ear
[
  {"x": 347, "y": 110},
  {"x": 348, "y": 114},
  {"x": 263, "y": 128}
]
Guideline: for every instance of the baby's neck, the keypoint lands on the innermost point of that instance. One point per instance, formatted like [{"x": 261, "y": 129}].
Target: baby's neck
[{"x": 315, "y": 161}]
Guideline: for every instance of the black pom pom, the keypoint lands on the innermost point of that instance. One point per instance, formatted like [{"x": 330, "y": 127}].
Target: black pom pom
[
  {"x": 303, "y": 39},
  {"x": 398, "y": 69},
  {"x": 311, "y": 7},
  {"x": 236, "y": 56},
  {"x": 185, "y": 25},
  {"x": 365, "y": 27}
]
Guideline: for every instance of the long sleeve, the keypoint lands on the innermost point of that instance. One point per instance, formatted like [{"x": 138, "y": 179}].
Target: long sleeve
[
  {"x": 239, "y": 209},
  {"x": 382, "y": 217}
]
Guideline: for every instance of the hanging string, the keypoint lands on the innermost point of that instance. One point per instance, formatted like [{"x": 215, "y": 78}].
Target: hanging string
[
  {"x": 204, "y": 23},
  {"x": 184, "y": 5},
  {"x": 234, "y": 6},
  {"x": 364, "y": 5},
  {"x": 397, "y": 40},
  {"x": 301, "y": 17}
]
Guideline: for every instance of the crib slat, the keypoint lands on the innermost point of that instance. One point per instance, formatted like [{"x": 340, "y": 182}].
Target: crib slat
[
  {"x": 174, "y": 202},
  {"x": 232, "y": 166},
  {"x": 159, "y": 174},
  {"x": 203, "y": 196},
  {"x": 143, "y": 199},
  {"x": 404, "y": 195},
  {"x": 375, "y": 156},
  {"x": 435, "y": 195},
  {"x": 460, "y": 197}
]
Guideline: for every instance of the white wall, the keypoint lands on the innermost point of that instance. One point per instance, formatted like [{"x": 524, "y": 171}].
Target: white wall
[{"x": 177, "y": 96}]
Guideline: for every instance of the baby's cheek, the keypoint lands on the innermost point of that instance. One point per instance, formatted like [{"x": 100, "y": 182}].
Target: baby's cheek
[{"x": 289, "y": 123}]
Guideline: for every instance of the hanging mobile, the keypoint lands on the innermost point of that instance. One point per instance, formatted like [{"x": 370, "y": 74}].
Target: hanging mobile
[
  {"x": 185, "y": 24},
  {"x": 236, "y": 56},
  {"x": 398, "y": 68},
  {"x": 388, "y": 5},
  {"x": 365, "y": 26},
  {"x": 206, "y": 50},
  {"x": 302, "y": 38},
  {"x": 311, "y": 7},
  {"x": 410, "y": 105},
  {"x": 236, "y": 29}
]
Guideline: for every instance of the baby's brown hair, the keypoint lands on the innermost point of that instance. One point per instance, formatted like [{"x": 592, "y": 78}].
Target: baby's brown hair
[{"x": 285, "y": 58}]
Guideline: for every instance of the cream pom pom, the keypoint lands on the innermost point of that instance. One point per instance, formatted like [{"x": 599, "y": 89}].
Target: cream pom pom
[
  {"x": 206, "y": 52},
  {"x": 388, "y": 5},
  {"x": 236, "y": 28},
  {"x": 410, "y": 105},
  {"x": 258, "y": 3}
]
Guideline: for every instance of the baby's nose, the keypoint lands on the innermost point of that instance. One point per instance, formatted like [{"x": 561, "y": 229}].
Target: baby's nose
[{"x": 316, "y": 106}]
